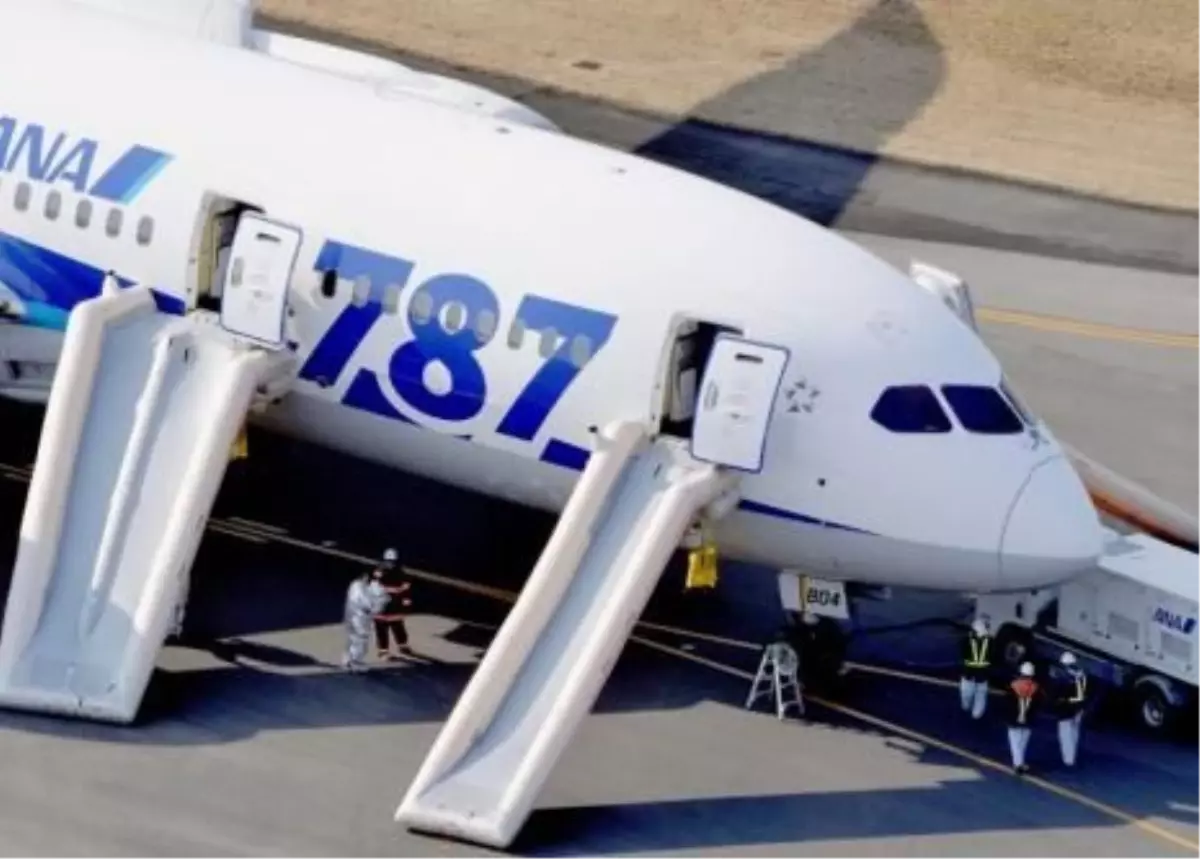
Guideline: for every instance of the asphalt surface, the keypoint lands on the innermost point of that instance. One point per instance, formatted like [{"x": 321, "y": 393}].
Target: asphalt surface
[
  {"x": 251, "y": 741},
  {"x": 854, "y": 189},
  {"x": 1110, "y": 387}
]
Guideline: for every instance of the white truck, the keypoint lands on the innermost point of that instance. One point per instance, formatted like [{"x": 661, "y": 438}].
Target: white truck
[{"x": 1132, "y": 623}]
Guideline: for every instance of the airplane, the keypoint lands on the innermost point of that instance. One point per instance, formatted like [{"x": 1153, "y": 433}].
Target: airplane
[{"x": 445, "y": 283}]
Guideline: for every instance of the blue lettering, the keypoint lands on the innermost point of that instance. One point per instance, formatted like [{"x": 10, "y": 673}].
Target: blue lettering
[
  {"x": 30, "y": 146},
  {"x": 8, "y": 127},
  {"x": 478, "y": 316},
  {"x": 328, "y": 360},
  {"x": 25, "y": 149},
  {"x": 547, "y": 386},
  {"x": 75, "y": 166},
  {"x": 1172, "y": 620},
  {"x": 455, "y": 351}
]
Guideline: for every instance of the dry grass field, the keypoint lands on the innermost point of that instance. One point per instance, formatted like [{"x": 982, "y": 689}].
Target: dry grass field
[{"x": 1099, "y": 97}]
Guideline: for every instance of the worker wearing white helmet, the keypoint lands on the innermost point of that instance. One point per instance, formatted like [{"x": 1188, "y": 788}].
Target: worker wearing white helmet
[
  {"x": 389, "y": 620},
  {"x": 1070, "y": 698},
  {"x": 1022, "y": 698},
  {"x": 976, "y": 664}
]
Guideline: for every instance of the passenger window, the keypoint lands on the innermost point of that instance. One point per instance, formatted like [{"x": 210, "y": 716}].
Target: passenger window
[
  {"x": 982, "y": 410},
  {"x": 145, "y": 230},
  {"x": 485, "y": 325},
  {"x": 23, "y": 194},
  {"x": 581, "y": 350},
  {"x": 549, "y": 344},
  {"x": 361, "y": 291},
  {"x": 452, "y": 318},
  {"x": 391, "y": 298},
  {"x": 83, "y": 214},
  {"x": 516, "y": 334},
  {"x": 112, "y": 224},
  {"x": 53, "y": 205},
  {"x": 329, "y": 283},
  {"x": 910, "y": 409}
]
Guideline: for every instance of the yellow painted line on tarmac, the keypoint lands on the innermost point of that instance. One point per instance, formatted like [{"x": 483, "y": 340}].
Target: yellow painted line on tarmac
[
  {"x": 227, "y": 527},
  {"x": 1145, "y": 826},
  {"x": 254, "y": 531},
  {"x": 1064, "y": 792},
  {"x": 255, "y": 525},
  {"x": 880, "y": 670},
  {"x": 1094, "y": 330},
  {"x": 13, "y": 473},
  {"x": 700, "y": 636},
  {"x": 240, "y": 533}
]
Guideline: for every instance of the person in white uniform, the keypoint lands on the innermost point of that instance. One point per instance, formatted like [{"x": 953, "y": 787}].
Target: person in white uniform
[{"x": 365, "y": 598}]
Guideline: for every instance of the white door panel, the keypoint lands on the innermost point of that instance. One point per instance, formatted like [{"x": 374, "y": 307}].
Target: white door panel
[
  {"x": 737, "y": 398},
  {"x": 254, "y": 295}
]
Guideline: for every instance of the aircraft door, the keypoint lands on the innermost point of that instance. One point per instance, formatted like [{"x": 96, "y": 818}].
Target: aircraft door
[
  {"x": 737, "y": 398},
  {"x": 254, "y": 294}
]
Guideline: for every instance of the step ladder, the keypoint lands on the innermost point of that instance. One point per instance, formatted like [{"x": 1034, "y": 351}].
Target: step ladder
[{"x": 778, "y": 677}]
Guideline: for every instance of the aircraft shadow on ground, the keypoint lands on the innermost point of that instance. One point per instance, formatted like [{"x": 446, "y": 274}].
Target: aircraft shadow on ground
[
  {"x": 876, "y": 76},
  {"x": 979, "y": 802},
  {"x": 743, "y": 822}
]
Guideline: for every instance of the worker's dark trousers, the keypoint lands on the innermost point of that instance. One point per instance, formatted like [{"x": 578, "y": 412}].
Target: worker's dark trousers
[{"x": 394, "y": 625}]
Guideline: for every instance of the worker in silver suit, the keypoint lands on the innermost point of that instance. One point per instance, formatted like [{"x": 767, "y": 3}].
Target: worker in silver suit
[{"x": 365, "y": 598}]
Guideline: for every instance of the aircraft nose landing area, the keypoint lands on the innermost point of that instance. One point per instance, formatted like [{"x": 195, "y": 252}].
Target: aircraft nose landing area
[{"x": 1052, "y": 529}]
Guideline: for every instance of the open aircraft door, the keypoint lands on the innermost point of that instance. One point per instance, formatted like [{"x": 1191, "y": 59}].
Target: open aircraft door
[
  {"x": 737, "y": 398},
  {"x": 254, "y": 296}
]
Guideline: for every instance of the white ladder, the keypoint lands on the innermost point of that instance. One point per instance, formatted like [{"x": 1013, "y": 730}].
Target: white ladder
[{"x": 778, "y": 670}]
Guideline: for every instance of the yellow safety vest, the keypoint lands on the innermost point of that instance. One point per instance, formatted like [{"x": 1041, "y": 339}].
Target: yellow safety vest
[
  {"x": 979, "y": 647},
  {"x": 702, "y": 564},
  {"x": 1023, "y": 707}
]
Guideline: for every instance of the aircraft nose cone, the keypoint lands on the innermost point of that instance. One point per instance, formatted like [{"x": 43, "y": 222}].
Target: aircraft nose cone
[{"x": 1053, "y": 531}]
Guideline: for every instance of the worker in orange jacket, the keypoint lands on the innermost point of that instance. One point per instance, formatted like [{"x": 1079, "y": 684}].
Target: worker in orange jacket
[{"x": 389, "y": 622}]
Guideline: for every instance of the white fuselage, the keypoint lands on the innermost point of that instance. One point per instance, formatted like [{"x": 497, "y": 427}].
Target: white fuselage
[{"x": 541, "y": 245}]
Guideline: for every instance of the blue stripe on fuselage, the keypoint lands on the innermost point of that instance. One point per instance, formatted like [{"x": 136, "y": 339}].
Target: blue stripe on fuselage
[
  {"x": 50, "y": 283},
  {"x": 126, "y": 178},
  {"x": 566, "y": 455}
]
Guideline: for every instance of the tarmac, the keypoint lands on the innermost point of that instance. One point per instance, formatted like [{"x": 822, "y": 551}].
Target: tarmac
[
  {"x": 253, "y": 742},
  {"x": 835, "y": 123}
]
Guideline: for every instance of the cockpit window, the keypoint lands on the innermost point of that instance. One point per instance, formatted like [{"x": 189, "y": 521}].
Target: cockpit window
[
  {"x": 910, "y": 409},
  {"x": 1015, "y": 402},
  {"x": 982, "y": 410}
]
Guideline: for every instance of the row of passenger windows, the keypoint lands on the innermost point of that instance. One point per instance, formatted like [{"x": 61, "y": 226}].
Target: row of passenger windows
[
  {"x": 453, "y": 317},
  {"x": 52, "y": 209},
  {"x": 979, "y": 409}
]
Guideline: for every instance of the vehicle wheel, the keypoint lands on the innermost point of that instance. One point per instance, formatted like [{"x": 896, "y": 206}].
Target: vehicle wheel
[{"x": 1154, "y": 711}]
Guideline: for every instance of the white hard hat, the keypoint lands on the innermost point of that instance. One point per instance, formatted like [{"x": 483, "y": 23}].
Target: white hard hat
[
  {"x": 389, "y": 554},
  {"x": 979, "y": 626},
  {"x": 1026, "y": 669},
  {"x": 1068, "y": 658}
]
